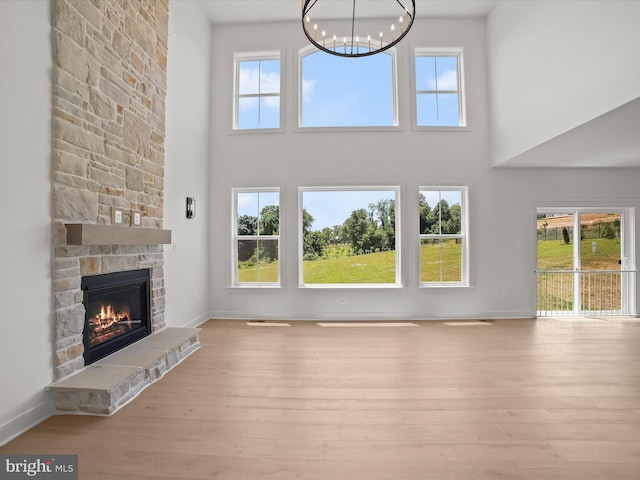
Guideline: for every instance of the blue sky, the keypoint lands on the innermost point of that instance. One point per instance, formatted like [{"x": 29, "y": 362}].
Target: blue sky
[{"x": 347, "y": 91}]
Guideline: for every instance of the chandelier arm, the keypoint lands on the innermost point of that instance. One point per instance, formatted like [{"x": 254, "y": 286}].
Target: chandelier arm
[
  {"x": 310, "y": 5},
  {"x": 403, "y": 8}
]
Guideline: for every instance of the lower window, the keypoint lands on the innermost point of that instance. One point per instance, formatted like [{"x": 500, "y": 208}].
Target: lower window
[
  {"x": 349, "y": 236},
  {"x": 256, "y": 237},
  {"x": 443, "y": 242}
]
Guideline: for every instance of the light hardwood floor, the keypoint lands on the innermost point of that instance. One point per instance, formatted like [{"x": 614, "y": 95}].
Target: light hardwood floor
[{"x": 517, "y": 399}]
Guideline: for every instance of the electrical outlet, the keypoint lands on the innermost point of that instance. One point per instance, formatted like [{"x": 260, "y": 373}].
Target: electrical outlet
[
  {"x": 136, "y": 218},
  {"x": 117, "y": 216}
]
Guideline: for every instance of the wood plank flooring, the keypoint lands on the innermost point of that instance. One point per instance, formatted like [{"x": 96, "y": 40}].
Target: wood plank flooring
[{"x": 519, "y": 399}]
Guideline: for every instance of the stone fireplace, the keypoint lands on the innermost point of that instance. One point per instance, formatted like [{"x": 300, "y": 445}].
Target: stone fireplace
[{"x": 109, "y": 85}]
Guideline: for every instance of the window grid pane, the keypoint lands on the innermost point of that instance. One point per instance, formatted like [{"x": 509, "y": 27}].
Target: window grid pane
[
  {"x": 442, "y": 240},
  {"x": 437, "y": 90},
  {"x": 258, "y": 98},
  {"x": 441, "y": 260},
  {"x": 256, "y": 241}
]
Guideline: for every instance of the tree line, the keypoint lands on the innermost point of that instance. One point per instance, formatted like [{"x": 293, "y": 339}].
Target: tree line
[{"x": 366, "y": 230}]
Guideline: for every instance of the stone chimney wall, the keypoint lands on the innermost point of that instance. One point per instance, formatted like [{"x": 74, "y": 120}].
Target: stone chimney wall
[{"x": 109, "y": 87}]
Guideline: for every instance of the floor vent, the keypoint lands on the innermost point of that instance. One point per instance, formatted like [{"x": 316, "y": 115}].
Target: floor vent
[
  {"x": 368, "y": 324},
  {"x": 466, "y": 324},
  {"x": 268, "y": 324}
]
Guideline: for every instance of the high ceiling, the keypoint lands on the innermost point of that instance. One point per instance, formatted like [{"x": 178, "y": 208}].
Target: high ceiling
[{"x": 253, "y": 11}]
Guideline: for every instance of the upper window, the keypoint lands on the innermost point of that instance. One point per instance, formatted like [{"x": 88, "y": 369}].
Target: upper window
[
  {"x": 443, "y": 238},
  {"x": 256, "y": 237},
  {"x": 349, "y": 236},
  {"x": 257, "y": 91},
  {"x": 347, "y": 92},
  {"x": 439, "y": 88}
]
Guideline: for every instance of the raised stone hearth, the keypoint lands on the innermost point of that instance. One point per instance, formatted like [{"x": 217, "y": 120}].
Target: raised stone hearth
[{"x": 107, "y": 385}]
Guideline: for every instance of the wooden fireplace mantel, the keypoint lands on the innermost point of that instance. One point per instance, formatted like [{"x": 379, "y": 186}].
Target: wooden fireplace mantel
[{"x": 91, "y": 234}]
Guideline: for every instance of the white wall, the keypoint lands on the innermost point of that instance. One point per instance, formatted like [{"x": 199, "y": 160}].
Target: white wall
[
  {"x": 555, "y": 65},
  {"x": 186, "y": 164},
  {"x": 26, "y": 365},
  {"x": 502, "y": 203}
]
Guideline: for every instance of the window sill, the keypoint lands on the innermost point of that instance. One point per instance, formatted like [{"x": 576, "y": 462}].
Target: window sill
[
  {"x": 444, "y": 285},
  {"x": 255, "y": 286},
  {"x": 253, "y": 131},
  {"x": 420, "y": 128},
  {"x": 391, "y": 128},
  {"x": 348, "y": 286}
]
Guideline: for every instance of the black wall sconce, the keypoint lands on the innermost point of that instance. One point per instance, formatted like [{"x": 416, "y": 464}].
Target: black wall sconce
[{"x": 191, "y": 207}]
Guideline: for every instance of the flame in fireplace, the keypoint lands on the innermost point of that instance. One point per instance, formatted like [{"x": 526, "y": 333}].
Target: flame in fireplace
[
  {"x": 109, "y": 323},
  {"x": 108, "y": 316}
]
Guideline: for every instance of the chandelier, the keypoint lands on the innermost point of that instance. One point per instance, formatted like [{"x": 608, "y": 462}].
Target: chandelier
[{"x": 349, "y": 43}]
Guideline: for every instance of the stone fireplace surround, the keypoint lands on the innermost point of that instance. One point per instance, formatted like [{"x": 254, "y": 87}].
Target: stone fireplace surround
[{"x": 108, "y": 130}]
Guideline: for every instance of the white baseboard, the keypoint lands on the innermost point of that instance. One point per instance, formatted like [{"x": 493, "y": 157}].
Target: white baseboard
[
  {"x": 371, "y": 316},
  {"x": 198, "y": 321},
  {"x": 25, "y": 421}
]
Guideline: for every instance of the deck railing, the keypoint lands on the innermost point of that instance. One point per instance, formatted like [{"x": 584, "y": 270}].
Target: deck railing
[{"x": 598, "y": 292}]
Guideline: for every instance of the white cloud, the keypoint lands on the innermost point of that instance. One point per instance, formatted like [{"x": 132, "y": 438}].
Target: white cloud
[
  {"x": 248, "y": 103},
  {"x": 308, "y": 87},
  {"x": 251, "y": 82},
  {"x": 448, "y": 80},
  {"x": 270, "y": 83}
]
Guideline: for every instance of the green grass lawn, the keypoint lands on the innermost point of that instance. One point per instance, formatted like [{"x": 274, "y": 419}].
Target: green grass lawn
[
  {"x": 380, "y": 267},
  {"x": 371, "y": 268},
  {"x": 556, "y": 255},
  {"x": 363, "y": 269},
  {"x": 265, "y": 272}
]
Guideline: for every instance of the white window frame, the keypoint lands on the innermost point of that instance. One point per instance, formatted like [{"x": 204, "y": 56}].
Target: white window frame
[
  {"x": 457, "y": 52},
  {"x": 310, "y": 49},
  {"x": 463, "y": 235},
  {"x": 235, "y": 238},
  {"x": 240, "y": 57},
  {"x": 398, "y": 274}
]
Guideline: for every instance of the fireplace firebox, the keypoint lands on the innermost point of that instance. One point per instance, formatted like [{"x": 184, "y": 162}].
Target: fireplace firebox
[{"x": 117, "y": 311}]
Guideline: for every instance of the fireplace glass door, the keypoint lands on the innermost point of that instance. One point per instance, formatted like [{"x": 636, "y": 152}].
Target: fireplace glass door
[{"x": 117, "y": 311}]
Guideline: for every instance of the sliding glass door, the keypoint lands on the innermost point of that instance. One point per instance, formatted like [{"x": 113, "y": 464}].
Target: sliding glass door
[{"x": 581, "y": 266}]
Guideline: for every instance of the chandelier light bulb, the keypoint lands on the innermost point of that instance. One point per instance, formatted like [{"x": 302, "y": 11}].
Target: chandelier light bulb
[{"x": 326, "y": 9}]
